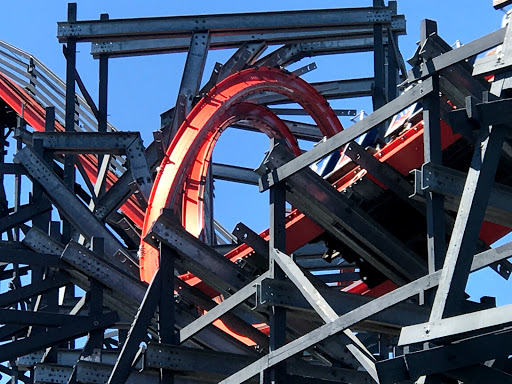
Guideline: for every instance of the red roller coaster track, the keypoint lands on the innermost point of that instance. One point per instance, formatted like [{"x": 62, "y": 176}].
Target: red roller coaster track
[{"x": 186, "y": 161}]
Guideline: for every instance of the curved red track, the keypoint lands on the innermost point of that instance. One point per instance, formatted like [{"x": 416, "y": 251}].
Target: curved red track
[{"x": 178, "y": 184}]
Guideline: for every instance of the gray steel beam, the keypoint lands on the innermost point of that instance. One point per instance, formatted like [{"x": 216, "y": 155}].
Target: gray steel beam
[
  {"x": 221, "y": 274},
  {"x": 190, "y": 80},
  {"x": 488, "y": 112},
  {"x": 19, "y": 271},
  {"x": 69, "y": 205},
  {"x": 334, "y": 89},
  {"x": 89, "y": 372},
  {"x": 501, "y": 80},
  {"x": 433, "y": 153},
  {"x": 137, "y": 332},
  {"x": 25, "y": 213},
  {"x": 469, "y": 219},
  {"x": 479, "y": 374},
  {"x": 337, "y": 141},
  {"x": 316, "y": 263},
  {"x": 102, "y": 117},
  {"x": 463, "y": 353},
  {"x": 10, "y": 316},
  {"x": 103, "y": 271},
  {"x": 459, "y": 75},
  {"x": 26, "y": 292},
  {"x": 195, "y": 360},
  {"x": 361, "y": 313},
  {"x": 277, "y": 239},
  {"x": 139, "y": 168},
  {"x": 301, "y": 112},
  {"x": 28, "y": 257},
  {"x": 69, "y": 357},
  {"x": 383, "y": 172},
  {"x": 337, "y": 277},
  {"x": 7, "y": 332},
  {"x": 166, "y": 304},
  {"x": 448, "y": 59},
  {"x": 357, "y": 36},
  {"x": 221, "y": 309},
  {"x": 40, "y": 241},
  {"x": 492, "y": 64},
  {"x": 235, "y": 174},
  {"x": 325, "y": 205},
  {"x": 379, "y": 94},
  {"x": 194, "y": 295},
  {"x": 343, "y": 347},
  {"x": 126, "y": 292},
  {"x": 115, "y": 143},
  {"x": 144, "y": 28},
  {"x": 454, "y": 327},
  {"x": 291, "y": 53},
  {"x": 11, "y": 169},
  {"x": 116, "y": 195},
  {"x": 246, "y": 54},
  {"x": 305, "y": 287},
  {"x": 53, "y": 336},
  {"x": 450, "y": 183},
  {"x": 111, "y": 143},
  {"x": 300, "y": 130},
  {"x": 124, "y": 301},
  {"x": 322, "y": 307},
  {"x": 283, "y": 294},
  {"x": 69, "y": 160}
]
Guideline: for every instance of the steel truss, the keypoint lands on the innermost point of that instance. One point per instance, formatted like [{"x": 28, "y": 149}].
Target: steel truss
[{"x": 396, "y": 228}]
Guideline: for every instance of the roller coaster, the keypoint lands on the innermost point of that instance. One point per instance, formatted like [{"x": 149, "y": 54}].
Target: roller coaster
[{"x": 123, "y": 274}]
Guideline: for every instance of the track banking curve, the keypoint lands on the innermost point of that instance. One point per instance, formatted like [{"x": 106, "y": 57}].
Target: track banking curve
[{"x": 178, "y": 181}]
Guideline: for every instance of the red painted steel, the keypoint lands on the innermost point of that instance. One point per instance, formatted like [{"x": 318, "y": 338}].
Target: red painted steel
[
  {"x": 22, "y": 103},
  {"x": 190, "y": 150}
]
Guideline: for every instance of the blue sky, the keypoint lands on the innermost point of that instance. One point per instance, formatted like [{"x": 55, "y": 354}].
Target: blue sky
[{"x": 142, "y": 88}]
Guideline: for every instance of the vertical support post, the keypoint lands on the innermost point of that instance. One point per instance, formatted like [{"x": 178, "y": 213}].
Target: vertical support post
[
  {"x": 379, "y": 96},
  {"x": 277, "y": 240},
  {"x": 52, "y": 298},
  {"x": 473, "y": 203},
  {"x": 166, "y": 312},
  {"x": 20, "y": 122},
  {"x": 102, "y": 107},
  {"x": 392, "y": 67},
  {"x": 42, "y": 221},
  {"x": 53, "y": 230},
  {"x": 54, "y": 233},
  {"x": 69, "y": 163},
  {"x": 49, "y": 122},
  {"x": 434, "y": 202},
  {"x": 436, "y": 231},
  {"x": 95, "y": 340},
  {"x": 209, "y": 231},
  {"x": 4, "y": 204}
]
